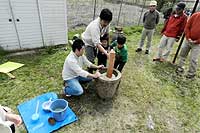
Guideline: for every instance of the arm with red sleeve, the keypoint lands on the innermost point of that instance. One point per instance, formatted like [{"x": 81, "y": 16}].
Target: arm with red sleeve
[
  {"x": 182, "y": 27},
  {"x": 188, "y": 27},
  {"x": 165, "y": 25}
]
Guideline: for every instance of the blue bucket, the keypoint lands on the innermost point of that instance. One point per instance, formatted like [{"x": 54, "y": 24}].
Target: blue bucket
[{"x": 59, "y": 109}]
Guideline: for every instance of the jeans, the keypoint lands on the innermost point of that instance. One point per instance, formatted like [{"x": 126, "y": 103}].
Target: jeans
[{"x": 74, "y": 85}]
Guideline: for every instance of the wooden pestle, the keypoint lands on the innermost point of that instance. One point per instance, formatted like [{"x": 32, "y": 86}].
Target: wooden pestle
[{"x": 111, "y": 62}]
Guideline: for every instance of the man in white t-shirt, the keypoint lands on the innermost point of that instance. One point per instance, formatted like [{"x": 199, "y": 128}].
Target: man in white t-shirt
[
  {"x": 73, "y": 73},
  {"x": 91, "y": 36}
]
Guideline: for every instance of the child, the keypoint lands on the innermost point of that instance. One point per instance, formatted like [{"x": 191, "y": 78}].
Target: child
[
  {"x": 8, "y": 120},
  {"x": 118, "y": 31},
  {"x": 121, "y": 52},
  {"x": 102, "y": 58}
]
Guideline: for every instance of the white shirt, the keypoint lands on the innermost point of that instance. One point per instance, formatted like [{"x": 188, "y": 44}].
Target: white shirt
[
  {"x": 4, "y": 125},
  {"x": 72, "y": 67},
  {"x": 91, "y": 36}
]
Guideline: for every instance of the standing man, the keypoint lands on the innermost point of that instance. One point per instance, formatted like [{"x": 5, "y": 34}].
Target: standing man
[
  {"x": 73, "y": 73},
  {"x": 91, "y": 36},
  {"x": 192, "y": 43},
  {"x": 150, "y": 20},
  {"x": 172, "y": 32}
]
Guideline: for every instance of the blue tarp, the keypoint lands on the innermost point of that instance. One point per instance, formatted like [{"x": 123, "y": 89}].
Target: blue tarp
[{"x": 28, "y": 108}]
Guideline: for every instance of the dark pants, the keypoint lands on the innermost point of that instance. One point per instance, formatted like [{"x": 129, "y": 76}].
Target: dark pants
[
  {"x": 119, "y": 65},
  {"x": 102, "y": 59},
  {"x": 91, "y": 54}
]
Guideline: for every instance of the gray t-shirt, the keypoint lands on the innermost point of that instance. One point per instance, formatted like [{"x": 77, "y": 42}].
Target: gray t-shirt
[{"x": 151, "y": 19}]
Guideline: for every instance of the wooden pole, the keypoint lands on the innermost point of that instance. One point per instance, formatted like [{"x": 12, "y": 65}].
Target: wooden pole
[
  {"x": 111, "y": 63},
  {"x": 182, "y": 38}
]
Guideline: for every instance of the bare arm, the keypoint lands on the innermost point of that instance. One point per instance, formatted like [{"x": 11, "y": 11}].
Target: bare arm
[
  {"x": 96, "y": 67},
  {"x": 102, "y": 50},
  {"x": 96, "y": 75}
]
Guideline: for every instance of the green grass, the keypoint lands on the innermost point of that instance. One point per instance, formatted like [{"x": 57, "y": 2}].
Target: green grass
[{"x": 147, "y": 88}]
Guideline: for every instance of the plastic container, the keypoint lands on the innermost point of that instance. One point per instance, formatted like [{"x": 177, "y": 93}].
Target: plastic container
[
  {"x": 59, "y": 109},
  {"x": 46, "y": 105}
]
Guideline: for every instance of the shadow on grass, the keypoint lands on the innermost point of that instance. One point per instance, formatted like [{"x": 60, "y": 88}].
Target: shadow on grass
[{"x": 89, "y": 103}]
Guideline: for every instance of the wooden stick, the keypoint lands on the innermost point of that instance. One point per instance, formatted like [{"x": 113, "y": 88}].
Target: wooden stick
[
  {"x": 111, "y": 63},
  {"x": 10, "y": 75}
]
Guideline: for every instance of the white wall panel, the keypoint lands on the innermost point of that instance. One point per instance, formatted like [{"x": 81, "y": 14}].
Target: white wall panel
[
  {"x": 27, "y": 13},
  {"x": 54, "y": 23},
  {"x": 33, "y": 23},
  {"x": 8, "y": 36}
]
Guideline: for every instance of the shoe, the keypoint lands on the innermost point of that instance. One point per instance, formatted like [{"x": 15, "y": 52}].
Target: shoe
[
  {"x": 147, "y": 52},
  {"x": 63, "y": 93},
  {"x": 188, "y": 76},
  {"x": 162, "y": 60},
  {"x": 68, "y": 95},
  {"x": 65, "y": 84},
  {"x": 179, "y": 70},
  {"x": 138, "y": 50},
  {"x": 156, "y": 59}
]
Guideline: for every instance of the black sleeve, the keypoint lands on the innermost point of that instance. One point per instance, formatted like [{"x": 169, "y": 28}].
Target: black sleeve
[
  {"x": 144, "y": 17},
  {"x": 157, "y": 18}
]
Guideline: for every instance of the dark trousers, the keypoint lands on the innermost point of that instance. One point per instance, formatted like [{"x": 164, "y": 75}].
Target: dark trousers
[
  {"x": 102, "y": 59},
  {"x": 119, "y": 65},
  {"x": 91, "y": 53}
]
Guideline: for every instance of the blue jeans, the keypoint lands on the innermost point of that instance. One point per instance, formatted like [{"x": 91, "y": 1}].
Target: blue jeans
[{"x": 74, "y": 87}]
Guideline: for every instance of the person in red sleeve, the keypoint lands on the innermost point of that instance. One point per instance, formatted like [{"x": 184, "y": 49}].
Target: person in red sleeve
[
  {"x": 192, "y": 43},
  {"x": 172, "y": 31}
]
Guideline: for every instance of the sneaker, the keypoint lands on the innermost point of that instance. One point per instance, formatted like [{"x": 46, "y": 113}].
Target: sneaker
[
  {"x": 156, "y": 59},
  {"x": 188, "y": 76},
  {"x": 65, "y": 84},
  {"x": 138, "y": 50},
  {"x": 147, "y": 52},
  {"x": 179, "y": 70},
  {"x": 162, "y": 60},
  {"x": 63, "y": 93}
]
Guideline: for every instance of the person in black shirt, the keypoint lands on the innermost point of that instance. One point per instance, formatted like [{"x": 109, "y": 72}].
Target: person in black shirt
[{"x": 102, "y": 58}]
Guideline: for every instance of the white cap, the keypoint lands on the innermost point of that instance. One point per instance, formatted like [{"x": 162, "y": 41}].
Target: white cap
[{"x": 153, "y": 3}]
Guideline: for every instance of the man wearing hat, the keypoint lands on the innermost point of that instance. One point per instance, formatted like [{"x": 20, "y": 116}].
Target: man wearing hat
[
  {"x": 172, "y": 31},
  {"x": 150, "y": 20},
  {"x": 192, "y": 43}
]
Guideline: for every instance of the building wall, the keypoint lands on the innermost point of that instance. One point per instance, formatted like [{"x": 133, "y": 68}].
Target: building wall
[{"x": 27, "y": 24}]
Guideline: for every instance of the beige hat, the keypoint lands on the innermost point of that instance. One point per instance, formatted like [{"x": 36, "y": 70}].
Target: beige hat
[{"x": 153, "y": 3}]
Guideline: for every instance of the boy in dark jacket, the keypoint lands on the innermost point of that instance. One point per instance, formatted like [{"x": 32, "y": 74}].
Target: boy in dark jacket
[{"x": 102, "y": 58}]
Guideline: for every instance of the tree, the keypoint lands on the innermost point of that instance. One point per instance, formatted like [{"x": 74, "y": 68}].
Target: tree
[{"x": 161, "y": 3}]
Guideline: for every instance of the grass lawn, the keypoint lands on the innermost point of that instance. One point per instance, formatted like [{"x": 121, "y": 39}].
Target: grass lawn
[{"x": 147, "y": 88}]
